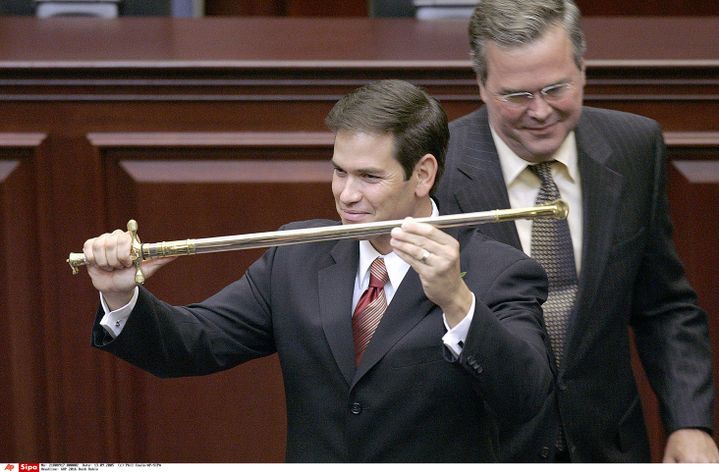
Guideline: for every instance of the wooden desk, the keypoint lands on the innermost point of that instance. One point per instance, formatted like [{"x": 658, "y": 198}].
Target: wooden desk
[{"x": 215, "y": 126}]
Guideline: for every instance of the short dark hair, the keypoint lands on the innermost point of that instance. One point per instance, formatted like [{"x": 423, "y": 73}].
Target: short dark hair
[
  {"x": 513, "y": 23},
  {"x": 416, "y": 121}
]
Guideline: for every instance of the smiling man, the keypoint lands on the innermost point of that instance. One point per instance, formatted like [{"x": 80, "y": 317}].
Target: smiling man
[
  {"x": 534, "y": 93},
  {"x": 610, "y": 266},
  {"x": 387, "y": 353}
]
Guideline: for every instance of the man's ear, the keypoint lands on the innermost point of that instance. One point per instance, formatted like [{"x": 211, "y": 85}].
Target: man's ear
[
  {"x": 425, "y": 172},
  {"x": 482, "y": 90}
]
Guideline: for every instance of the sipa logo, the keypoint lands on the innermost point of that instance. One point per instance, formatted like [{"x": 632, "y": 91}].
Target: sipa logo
[
  {"x": 9, "y": 467},
  {"x": 29, "y": 467}
]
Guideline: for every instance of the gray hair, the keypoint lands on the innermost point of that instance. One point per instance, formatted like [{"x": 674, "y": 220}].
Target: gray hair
[{"x": 514, "y": 23}]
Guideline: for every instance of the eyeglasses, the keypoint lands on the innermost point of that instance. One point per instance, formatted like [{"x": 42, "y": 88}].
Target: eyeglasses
[{"x": 550, "y": 93}]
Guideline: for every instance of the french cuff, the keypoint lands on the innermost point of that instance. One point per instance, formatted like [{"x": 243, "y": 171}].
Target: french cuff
[
  {"x": 454, "y": 338},
  {"x": 114, "y": 321}
]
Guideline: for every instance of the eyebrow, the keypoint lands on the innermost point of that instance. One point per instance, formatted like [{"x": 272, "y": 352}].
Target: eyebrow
[
  {"x": 510, "y": 91},
  {"x": 505, "y": 91},
  {"x": 365, "y": 170}
]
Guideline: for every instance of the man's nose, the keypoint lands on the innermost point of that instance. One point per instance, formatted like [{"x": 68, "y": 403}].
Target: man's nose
[
  {"x": 350, "y": 191},
  {"x": 539, "y": 108}
]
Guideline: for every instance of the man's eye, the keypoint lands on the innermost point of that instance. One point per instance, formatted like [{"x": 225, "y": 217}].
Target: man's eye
[
  {"x": 340, "y": 172},
  {"x": 518, "y": 97},
  {"x": 556, "y": 91}
]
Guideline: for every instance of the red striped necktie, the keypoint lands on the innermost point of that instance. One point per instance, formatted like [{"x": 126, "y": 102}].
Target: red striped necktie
[{"x": 370, "y": 308}]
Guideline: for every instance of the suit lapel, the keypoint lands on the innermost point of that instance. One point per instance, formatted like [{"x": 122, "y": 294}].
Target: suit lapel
[
  {"x": 485, "y": 189},
  {"x": 601, "y": 190},
  {"x": 336, "y": 284},
  {"x": 407, "y": 308}
]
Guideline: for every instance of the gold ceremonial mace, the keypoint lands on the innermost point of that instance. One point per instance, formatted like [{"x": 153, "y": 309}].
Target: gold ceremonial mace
[{"x": 183, "y": 247}]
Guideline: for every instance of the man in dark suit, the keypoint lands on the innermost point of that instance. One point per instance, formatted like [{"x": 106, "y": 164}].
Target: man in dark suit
[
  {"x": 451, "y": 353},
  {"x": 612, "y": 264}
]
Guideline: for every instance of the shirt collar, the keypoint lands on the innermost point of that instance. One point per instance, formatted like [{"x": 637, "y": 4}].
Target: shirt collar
[
  {"x": 513, "y": 165},
  {"x": 396, "y": 267}
]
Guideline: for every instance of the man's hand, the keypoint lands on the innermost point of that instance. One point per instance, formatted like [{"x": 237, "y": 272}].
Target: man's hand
[
  {"x": 434, "y": 255},
  {"x": 111, "y": 269},
  {"x": 690, "y": 445}
]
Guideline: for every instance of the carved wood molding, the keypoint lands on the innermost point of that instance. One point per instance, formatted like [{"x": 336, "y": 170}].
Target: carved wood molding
[
  {"x": 212, "y": 139},
  {"x": 21, "y": 140},
  {"x": 692, "y": 138}
]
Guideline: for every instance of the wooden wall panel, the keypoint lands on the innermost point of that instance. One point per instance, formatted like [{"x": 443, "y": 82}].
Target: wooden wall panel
[
  {"x": 184, "y": 185},
  {"x": 23, "y": 394},
  {"x": 182, "y": 125}
]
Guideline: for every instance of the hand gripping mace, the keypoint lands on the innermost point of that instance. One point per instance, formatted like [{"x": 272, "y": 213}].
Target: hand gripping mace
[{"x": 183, "y": 247}]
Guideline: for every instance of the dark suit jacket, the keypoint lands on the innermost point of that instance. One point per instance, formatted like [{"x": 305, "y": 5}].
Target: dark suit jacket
[
  {"x": 630, "y": 275},
  {"x": 404, "y": 402}
]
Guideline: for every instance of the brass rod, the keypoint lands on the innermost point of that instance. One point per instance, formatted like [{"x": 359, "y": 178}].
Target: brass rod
[{"x": 557, "y": 209}]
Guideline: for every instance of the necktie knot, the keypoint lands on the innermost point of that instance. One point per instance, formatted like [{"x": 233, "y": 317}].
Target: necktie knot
[
  {"x": 378, "y": 276},
  {"x": 548, "y": 191},
  {"x": 543, "y": 170}
]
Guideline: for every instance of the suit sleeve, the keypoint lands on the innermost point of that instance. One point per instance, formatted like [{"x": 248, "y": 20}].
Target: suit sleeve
[
  {"x": 231, "y": 327},
  {"x": 671, "y": 330},
  {"x": 506, "y": 350}
]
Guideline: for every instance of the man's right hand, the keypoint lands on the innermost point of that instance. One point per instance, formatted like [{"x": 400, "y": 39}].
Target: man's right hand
[{"x": 111, "y": 269}]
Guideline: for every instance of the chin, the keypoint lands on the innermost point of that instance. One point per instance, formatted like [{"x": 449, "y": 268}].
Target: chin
[{"x": 543, "y": 151}]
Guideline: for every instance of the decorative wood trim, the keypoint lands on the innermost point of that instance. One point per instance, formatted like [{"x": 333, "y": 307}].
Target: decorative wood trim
[
  {"x": 692, "y": 138},
  {"x": 225, "y": 171},
  {"x": 21, "y": 140},
  {"x": 212, "y": 139},
  {"x": 698, "y": 172},
  {"x": 300, "y": 139},
  {"x": 460, "y": 65},
  {"x": 7, "y": 168}
]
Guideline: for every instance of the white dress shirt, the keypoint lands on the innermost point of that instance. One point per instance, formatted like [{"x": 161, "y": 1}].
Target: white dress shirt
[{"x": 396, "y": 269}]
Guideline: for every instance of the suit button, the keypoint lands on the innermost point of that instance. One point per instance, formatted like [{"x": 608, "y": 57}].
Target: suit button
[
  {"x": 562, "y": 386},
  {"x": 545, "y": 452},
  {"x": 356, "y": 408},
  {"x": 478, "y": 369}
]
